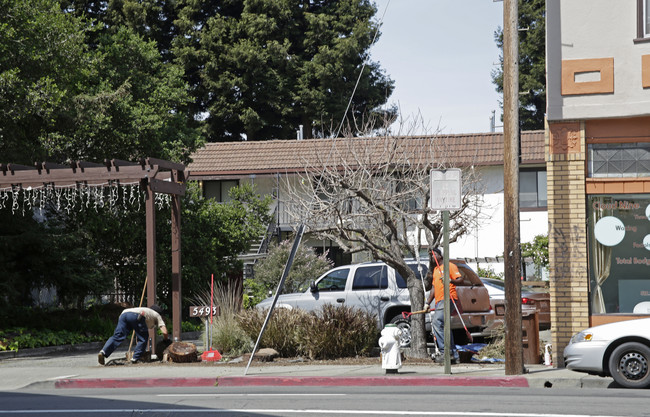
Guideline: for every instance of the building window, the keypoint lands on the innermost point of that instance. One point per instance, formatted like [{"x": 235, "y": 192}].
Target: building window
[
  {"x": 532, "y": 188},
  {"x": 619, "y": 253},
  {"x": 616, "y": 160},
  {"x": 643, "y": 19},
  {"x": 219, "y": 189}
]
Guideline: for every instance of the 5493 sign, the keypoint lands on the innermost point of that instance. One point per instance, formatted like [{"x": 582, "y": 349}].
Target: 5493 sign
[{"x": 203, "y": 311}]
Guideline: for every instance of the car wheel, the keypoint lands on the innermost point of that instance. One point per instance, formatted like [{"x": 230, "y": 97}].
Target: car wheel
[
  {"x": 629, "y": 365},
  {"x": 405, "y": 326}
]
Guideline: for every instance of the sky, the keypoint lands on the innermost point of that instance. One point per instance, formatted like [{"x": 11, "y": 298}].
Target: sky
[{"x": 441, "y": 54}]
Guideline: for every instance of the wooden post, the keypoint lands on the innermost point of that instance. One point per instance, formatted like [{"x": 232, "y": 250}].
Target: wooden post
[
  {"x": 512, "y": 255},
  {"x": 151, "y": 254},
  {"x": 176, "y": 266}
]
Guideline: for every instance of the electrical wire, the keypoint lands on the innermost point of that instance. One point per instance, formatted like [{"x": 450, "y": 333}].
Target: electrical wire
[{"x": 363, "y": 67}]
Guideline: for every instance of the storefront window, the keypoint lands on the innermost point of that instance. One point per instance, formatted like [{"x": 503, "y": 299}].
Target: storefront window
[
  {"x": 619, "y": 253},
  {"x": 618, "y": 160}
]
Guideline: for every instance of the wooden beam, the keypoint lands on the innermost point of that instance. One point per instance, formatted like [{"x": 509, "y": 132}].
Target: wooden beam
[
  {"x": 167, "y": 187},
  {"x": 64, "y": 177},
  {"x": 47, "y": 166},
  {"x": 165, "y": 164},
  {"x": 83, "y": 165},
  {"x": 18, "y": 167},
  {"x": 117, "y": 163}
]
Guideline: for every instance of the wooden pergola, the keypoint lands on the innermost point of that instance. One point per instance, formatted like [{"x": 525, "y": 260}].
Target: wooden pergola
[{"x": 153, "y": 175}]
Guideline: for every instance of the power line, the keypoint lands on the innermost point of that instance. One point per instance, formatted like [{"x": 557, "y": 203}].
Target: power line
[{"x": 381, "y": 21}]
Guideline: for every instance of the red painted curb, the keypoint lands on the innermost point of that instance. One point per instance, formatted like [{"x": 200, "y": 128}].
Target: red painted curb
[
  {"x": 135, "y": 382},
  {"x": 237, "y": 381}
]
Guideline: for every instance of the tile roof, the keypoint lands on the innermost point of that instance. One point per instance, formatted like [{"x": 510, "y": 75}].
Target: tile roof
[{"x": 267, "y": 157}]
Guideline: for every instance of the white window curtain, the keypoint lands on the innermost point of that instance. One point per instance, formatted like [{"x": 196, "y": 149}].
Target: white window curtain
[{"x": 601, "y": 258}]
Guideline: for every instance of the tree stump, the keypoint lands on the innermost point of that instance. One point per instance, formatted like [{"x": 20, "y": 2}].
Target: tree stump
[{"x": 182, "y": 352}]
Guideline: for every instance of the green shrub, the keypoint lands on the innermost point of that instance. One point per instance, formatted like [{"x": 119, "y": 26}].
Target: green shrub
[
  {"x": 333, "y": 332},
  {"x": 307, "y": 266},
  {"x": 228, "y": 337},
  {"x": 280, "y": 331},
  {"x": 189, "y": 326},
  {"x": 488, "y": 272},
  {"x": 21, "y": 338}
]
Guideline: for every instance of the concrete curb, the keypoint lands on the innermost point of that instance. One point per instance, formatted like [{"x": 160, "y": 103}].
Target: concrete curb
[
  {"x": 134, "y": 382},
  {"x": 238, "y": 381}
]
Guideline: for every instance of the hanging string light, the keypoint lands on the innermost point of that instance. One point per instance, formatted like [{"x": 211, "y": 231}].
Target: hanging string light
[{"x": 111, "y": 195}]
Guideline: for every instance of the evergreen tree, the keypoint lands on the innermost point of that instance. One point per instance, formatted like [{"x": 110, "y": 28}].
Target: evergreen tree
[
  {"x": 260, "y": 68},
  {"x": 532, "y": 64}
]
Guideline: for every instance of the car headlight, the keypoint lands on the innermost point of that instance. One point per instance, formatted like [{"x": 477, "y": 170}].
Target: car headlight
[{"x": 583, "y": 336}]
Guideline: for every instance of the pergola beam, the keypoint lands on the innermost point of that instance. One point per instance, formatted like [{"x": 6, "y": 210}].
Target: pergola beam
[{"x": 73, "y": 175}]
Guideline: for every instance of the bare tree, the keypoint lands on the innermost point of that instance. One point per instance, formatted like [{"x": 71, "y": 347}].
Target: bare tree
[{"x": 371, "y": 194}]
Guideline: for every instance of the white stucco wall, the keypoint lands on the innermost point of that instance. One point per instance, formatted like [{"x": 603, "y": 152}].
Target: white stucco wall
[
  {"x": 485, "y": 241},
  {"x": 488, "y": 239},
  {"x": 587, "y": 29}
]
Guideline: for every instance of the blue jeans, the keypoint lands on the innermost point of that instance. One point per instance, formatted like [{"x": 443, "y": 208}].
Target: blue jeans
[
  {"x": 126, "y": 323},
  {"x": 438, "y": 323}
]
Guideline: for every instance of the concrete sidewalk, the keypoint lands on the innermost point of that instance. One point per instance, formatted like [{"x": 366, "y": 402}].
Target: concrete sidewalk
[{"x": 55, "y": 369}]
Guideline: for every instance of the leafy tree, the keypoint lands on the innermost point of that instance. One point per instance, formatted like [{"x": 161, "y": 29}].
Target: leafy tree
[
  {"x": 488, "y": 272},
  {"x": 36, "y": 256},
  {"x": 63, "y": 97},
  {"x": 537, "y": 250},
  {"x": 271, "y": 65},
  {"x": 42, "y": 58},
  {"x": 532, "y": 64},
  {"x": 260, "y": 68},
  {"x": 307, "y": 266},
  {"x": 214, "y": 234}
]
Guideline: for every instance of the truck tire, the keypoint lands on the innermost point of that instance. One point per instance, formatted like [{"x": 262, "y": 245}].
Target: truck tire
[{"x": 405, "y": 326}]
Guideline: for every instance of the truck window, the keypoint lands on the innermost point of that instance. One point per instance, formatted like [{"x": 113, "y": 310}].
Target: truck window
[
  {"x": 370, "y": 278},
  {"x": 334, "y": 281}
]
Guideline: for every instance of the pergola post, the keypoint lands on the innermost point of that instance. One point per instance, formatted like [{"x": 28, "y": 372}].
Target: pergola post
[
  {"x": 176, "y": 266},
  {"x": 151, "y": 254}
]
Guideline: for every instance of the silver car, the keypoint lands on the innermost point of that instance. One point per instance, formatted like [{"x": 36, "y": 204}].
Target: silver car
[{"x": 620, "y": 350}]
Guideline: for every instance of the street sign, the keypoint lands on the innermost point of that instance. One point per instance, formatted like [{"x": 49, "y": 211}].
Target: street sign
[{"x": 445, "y": 189}]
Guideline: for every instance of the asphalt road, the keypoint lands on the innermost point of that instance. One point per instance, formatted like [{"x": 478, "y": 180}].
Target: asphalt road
[{"x": 320, "y": 401}]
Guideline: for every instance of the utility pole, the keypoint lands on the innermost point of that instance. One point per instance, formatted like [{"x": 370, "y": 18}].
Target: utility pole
[{"x": 512, "y": 253}]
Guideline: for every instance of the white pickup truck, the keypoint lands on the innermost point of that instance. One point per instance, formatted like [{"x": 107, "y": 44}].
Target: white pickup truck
[{"x": 378, "y": 289}]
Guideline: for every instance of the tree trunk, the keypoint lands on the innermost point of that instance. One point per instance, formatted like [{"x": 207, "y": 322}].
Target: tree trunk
[
  {"x": 418, "y": 332},
  {"x": 182, "y": 352}
]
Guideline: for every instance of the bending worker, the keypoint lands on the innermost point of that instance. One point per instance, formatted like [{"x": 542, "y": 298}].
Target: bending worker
[
  {"x": 438, "y": 291},
  {"x": 139, "y": 320}
]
